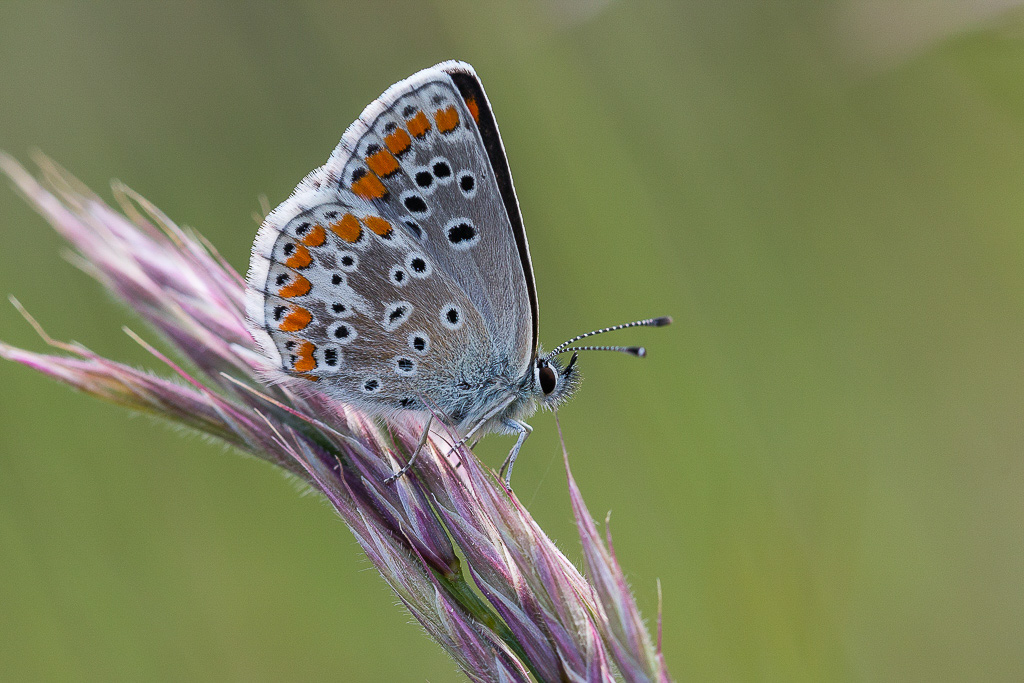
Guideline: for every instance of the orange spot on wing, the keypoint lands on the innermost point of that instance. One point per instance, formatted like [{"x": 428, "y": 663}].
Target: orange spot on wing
[
  {"x": 300, "y": 258},
  {"x": 369, "y": 187},
  {"x": 398, "y": 142},
  {"x": 383, "y": 163},
  {"x": 378, "y": 225},
  {"x": 298, "y": 318},
  {"x": 474, "y": 108},
  {"x": 299, "y": 287},
  {"x": 304, "y": 357},
  {"x": 418, "y": 125},
  {"x": 315, "y": 237},
  {"x": 447, "y": 120},
  {"x": 347, "y": 228}
]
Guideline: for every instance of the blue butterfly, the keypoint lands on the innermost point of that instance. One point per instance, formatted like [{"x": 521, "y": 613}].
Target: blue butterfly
[{"x": 398, "y": 275}]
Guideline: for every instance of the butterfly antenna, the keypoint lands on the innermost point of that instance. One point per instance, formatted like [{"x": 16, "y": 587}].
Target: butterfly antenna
[
  {"x": 634, "y": 350},
  {"x": 637, "y": 351}
]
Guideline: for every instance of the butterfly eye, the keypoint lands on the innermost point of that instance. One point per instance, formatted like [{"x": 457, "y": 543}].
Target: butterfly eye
[{"x": 548, "y": 380}]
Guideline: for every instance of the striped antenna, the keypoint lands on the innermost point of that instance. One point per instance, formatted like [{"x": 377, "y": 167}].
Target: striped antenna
[{"x": 635, "y": 350}]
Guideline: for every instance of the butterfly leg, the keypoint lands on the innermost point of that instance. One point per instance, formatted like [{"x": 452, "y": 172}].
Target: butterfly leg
[
  {"x": 471, "y": 447},
  {"x": 419, "y": 447},
  {"x": 524, "y": 431},
  {"x": 480, "y": 423}
]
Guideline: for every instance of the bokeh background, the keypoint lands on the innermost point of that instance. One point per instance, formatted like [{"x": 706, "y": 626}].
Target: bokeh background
[{"x": 822, "y": 459}]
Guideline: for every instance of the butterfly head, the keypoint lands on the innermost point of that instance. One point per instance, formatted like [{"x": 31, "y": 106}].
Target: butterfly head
[{"x": 554, "y": 383}]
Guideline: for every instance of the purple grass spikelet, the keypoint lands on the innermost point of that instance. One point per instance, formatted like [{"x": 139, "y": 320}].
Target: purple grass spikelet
[{"x": 454, "y": 544}]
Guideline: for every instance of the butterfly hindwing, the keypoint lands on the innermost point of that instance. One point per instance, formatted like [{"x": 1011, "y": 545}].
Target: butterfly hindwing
[{"x": 348, "y": 301}]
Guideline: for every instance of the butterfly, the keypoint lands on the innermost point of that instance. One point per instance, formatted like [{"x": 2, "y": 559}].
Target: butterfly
[{"x": 397, "y": 276}]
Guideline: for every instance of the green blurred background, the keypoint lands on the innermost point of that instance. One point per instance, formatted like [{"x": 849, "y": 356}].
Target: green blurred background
[{"x": 821, "y": 460}]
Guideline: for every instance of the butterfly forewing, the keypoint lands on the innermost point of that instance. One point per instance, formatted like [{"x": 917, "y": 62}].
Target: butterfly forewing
[
  {"x": 396, "y": 266},
  {"x": 463, "y": 214},
  {"x": 472, "y": 91}
]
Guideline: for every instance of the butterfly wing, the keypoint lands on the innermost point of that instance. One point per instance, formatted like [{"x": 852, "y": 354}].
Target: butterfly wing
[
  {"x": 400, "y": 266},
  {"x": 468, "y": 213},
  {"x": 472, "y": 92},
  {"x": 348, "y": 301}
]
